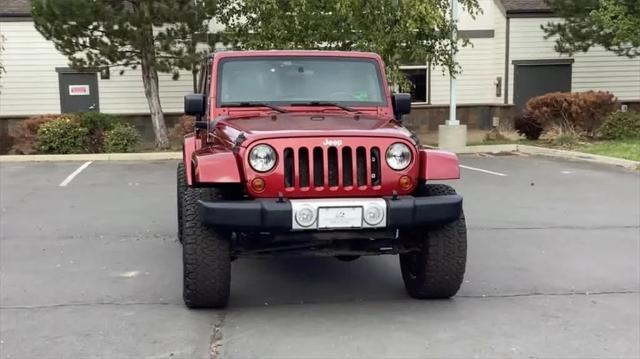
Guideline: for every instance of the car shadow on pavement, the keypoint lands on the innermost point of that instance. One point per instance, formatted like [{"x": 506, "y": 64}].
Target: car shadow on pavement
[{"x": 314, "y": 280}]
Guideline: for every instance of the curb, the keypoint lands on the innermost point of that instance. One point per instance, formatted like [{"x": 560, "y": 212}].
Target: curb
[
  {"x": 551, "y": 152},
  {"x": 534, "y": 150},
  {"x": 488, "y": 149},
  {"x": 145, "y": 156}
]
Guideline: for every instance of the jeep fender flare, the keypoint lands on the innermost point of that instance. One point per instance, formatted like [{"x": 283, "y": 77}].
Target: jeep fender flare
[
  {"x": 438, "y": 165},
  {"x": 209, "y": 165}
]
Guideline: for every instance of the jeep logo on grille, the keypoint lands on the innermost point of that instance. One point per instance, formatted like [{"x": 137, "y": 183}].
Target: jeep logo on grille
[{"x": 330, "y": 142}]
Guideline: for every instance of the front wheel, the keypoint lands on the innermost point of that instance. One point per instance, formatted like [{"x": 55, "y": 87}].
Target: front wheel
[
  {"x": 206, "y": 255},
  {"x": 436, "y": 270}
]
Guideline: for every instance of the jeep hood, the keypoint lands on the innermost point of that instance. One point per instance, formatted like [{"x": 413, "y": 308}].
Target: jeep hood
[{"x": 314, "y": 125}]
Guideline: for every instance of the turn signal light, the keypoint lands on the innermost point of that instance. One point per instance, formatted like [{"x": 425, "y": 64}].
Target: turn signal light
[
  {"x": 257, "y": 184},
  {"x": 405, "y": 182}
]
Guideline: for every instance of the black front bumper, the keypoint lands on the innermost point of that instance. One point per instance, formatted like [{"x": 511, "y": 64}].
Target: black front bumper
[{"x": 271, "y": 215}]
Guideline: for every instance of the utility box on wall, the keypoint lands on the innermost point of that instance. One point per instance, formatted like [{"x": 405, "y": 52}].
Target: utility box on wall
[{"x": 78, "y": 91}]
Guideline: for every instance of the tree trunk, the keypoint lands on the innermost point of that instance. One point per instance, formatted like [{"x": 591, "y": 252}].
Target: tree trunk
[
  {"x": 151, "y": 92},
  {"x": 151, "y": 89}
]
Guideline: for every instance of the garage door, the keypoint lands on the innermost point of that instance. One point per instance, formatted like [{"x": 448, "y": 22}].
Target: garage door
[{"x": 538, "y": 77}]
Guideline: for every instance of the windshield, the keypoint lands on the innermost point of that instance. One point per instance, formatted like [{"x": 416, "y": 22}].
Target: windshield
[{"x": 290, "y": 80}]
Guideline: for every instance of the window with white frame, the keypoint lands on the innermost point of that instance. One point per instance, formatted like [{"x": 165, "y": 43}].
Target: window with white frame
[{"x": 418, "y": 75}]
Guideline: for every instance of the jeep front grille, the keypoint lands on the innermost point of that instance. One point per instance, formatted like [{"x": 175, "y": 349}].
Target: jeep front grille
[{"x": 332, "y": 167}]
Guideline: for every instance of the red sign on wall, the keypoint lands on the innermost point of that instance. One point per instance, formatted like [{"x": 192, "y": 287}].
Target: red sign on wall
[{"x": 79, "y": 90}]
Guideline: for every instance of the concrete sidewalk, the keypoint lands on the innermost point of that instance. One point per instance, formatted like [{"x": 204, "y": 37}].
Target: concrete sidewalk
[{"x": 140, "y": 156}]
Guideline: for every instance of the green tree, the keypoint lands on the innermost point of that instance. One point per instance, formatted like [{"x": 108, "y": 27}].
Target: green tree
[
  {"x": 191, "y": 31},
  {"x": 612, "y": 24},
  {"x": 153, "y": 35},
  {"x": 401, "y": 31}
]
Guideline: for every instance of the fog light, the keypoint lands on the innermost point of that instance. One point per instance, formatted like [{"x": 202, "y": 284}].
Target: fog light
[
  {"x": 305, "y": 216},
  {"x": 373, "y": 214},
  {"x": 258, "y": 184},
  {"x": 405, "y": 182}
]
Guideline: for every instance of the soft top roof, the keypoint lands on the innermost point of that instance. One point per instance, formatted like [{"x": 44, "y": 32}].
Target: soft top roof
[{"x": 313, "y": 53}]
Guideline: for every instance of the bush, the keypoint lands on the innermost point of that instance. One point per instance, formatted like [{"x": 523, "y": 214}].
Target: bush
[
  {"x": 62, "y": 135},
  {"x": 621, "y": 125},
  {"x": 25, "y": 134},
  {"x": 581, "y": 113},
  {"x": 183, "y": 127},
  {"x": 92, "y": 120},
  {"x": 494, "y": 136},
  {"x": 528, "y": 127},
  {"x": 121, "y": 138},
  {"x": 97, "y": 123},
  {"x": 566, "y": 139}
]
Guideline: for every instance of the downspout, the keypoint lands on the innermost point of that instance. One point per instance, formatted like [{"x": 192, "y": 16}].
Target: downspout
[
  {"x": 506, "y": 60},
  {"x": 453, "y": 120}
]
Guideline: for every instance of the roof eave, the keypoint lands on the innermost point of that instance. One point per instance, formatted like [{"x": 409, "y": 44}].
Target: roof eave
[
  {"x": 15, "y": 14},
  {"x": 530, "y": 13}
]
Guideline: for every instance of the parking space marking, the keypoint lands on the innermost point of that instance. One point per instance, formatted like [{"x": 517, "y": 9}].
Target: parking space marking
[
  {"x": 74, "y": 174},
  {"x": 483, "y": 171}
]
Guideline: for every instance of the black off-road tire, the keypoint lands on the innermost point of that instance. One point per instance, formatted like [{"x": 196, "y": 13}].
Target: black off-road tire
[
  {"x": 436, "y": 271},
  {"x": 206, "y": 255},
  {"x": 181, "y": 185}
]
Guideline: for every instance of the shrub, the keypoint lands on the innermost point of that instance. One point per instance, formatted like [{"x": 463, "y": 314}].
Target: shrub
[
  {"x": 494, "y": 136},
  {"x": 95, "y": 141},
  {"x": 121, "y": 138},
  {"x": 580, "y": 112},
  {"x": 621, "y": 125},
  {"x": 92, "y": 120},
  {"x": 97, "y": 123},
  {"x": 566, "y": 139},
  {"x": 528, "y": 126},
  {"x": 62, "y": 135},
  {"x": 183, "y": 127},
  {"x": 25, "y": 133}
]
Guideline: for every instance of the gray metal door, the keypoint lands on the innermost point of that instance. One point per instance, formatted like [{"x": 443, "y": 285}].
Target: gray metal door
[
  {"x": 78, "y": 92},
  {"x": 535, "y": 80}
]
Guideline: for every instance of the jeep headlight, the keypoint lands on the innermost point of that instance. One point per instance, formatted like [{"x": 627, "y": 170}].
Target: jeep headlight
[
  {"x": 398, "y": 156},
  {"x": 262, "y": 158}
]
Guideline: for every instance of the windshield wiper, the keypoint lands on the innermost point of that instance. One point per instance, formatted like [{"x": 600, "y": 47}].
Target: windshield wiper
[
  {"x": 254, "y": 104},
  {"x": 318, "y": 103}
]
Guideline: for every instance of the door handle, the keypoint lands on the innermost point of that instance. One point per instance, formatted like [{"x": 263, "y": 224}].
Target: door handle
[{"x": 92, "y": 107}]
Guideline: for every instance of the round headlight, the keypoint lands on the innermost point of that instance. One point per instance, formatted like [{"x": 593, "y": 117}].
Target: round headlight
[
  {"x": 373, "y": 214},
  {"x": 398, "y": 156},
  {"x": 305, "y": 216},
  {"x": 262, "y": 158}
]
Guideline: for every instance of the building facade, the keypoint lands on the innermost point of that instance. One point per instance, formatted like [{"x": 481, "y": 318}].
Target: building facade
[{"x": 508, "y": 62}]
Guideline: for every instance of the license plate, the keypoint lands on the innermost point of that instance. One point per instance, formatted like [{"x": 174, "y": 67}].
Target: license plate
[{"x": 340, "y": 217}]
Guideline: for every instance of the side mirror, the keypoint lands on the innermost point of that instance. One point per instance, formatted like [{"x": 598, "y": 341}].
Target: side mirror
[
  {"x": 401, "y": 104},
  {"x": 194, "y": 104},
  {"x": 202, "y": 125}
]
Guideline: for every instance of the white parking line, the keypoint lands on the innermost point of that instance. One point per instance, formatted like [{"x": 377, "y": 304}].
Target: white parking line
[
  {"x": 484, "y": 171},
  {"x": 74, "y": 174}
]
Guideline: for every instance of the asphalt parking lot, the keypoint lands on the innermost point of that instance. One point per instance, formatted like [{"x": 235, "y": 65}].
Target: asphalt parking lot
[{"x": 92, "y": 269}]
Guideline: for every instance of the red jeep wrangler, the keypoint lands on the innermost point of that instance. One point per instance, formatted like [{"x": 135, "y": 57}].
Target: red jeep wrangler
[{"x": 301, "y": 153}]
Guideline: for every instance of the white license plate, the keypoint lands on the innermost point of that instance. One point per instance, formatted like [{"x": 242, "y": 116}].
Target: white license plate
[{"x": 340, "y": 217}]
